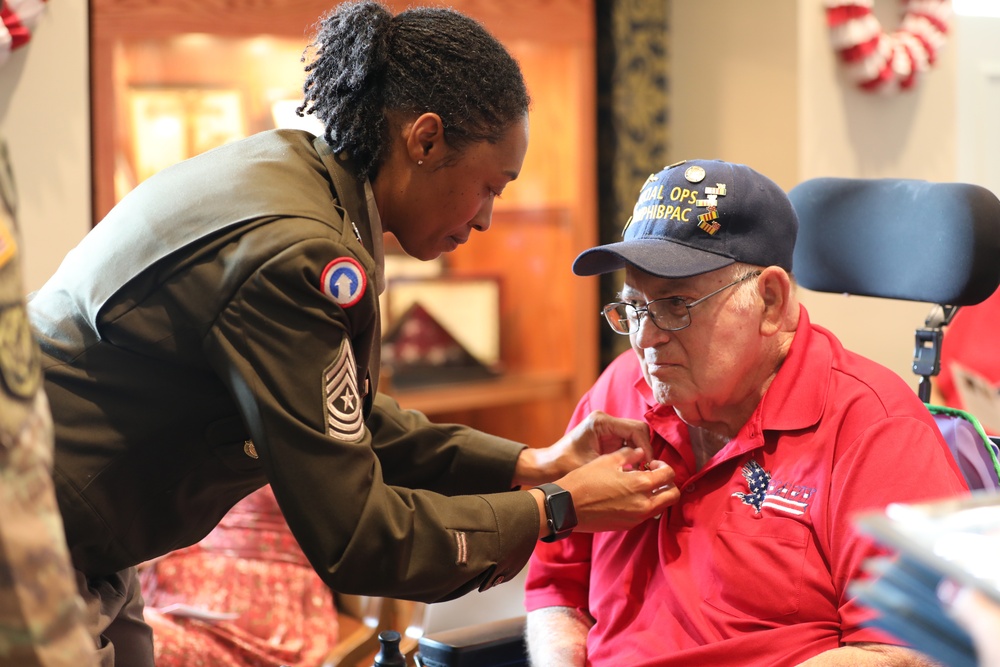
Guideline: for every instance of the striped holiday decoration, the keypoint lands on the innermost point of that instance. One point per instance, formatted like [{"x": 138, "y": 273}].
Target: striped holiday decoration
[
  {"x": 19, "y": 18},
  {"x": 878, "y": 61}
]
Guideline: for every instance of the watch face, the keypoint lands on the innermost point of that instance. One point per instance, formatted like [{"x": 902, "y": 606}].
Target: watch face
[
  {"x": 560, "y": 505},
  {"x": 561, "y": 514}
]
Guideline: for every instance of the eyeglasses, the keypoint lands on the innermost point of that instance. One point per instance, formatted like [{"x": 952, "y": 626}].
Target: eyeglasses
[{"x": 671, "y": 313}]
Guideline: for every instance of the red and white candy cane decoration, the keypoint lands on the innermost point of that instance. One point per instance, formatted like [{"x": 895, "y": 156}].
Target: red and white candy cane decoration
[
  {"x": 19, "y": 18},
  {"x": 878, "y": 61}
]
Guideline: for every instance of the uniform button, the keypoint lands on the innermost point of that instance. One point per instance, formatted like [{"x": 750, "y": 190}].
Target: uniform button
[{"x": 690, "y": 488}]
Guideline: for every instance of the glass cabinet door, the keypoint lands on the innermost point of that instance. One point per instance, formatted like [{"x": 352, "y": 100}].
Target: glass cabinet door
[
  {"x": 172, "y": 79},
  {"x": 183, "y": 95}
]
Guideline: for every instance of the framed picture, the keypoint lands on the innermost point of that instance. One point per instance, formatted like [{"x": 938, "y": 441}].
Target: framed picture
[
  {"x": 467, "y": 307},
  {"x": 173, "y": 123}
]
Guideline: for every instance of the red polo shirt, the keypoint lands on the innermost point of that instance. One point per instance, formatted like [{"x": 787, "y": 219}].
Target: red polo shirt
[{"x": 751, "y": 566}]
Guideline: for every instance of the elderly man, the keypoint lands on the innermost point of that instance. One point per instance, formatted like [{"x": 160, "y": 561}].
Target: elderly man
[{"x": 776, "y": 433}]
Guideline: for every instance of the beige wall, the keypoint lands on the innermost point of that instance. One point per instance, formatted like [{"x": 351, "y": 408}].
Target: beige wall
[
  {"x": 849, "y": 132},
  {"x": 44, "y": 118},
  {"x": 733, "y": 84},
  {"x": 765, "y": 88},
  {"x": 977, "y": 49}
]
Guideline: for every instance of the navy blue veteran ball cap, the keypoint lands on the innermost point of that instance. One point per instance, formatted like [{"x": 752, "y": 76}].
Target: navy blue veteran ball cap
[{"x": 698, "y": 216}]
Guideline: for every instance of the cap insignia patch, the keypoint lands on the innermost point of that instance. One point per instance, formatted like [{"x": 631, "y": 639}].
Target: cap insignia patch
[
  {"x": 694, "y": 174},
  {"x": 706, "y": 221}
]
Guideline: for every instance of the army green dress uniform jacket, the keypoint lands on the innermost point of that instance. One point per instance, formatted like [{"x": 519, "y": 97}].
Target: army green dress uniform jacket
[{"x": 196, "y": 346}]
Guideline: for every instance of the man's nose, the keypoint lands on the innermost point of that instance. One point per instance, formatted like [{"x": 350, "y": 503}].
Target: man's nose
[{"x": 648, "y": 334}]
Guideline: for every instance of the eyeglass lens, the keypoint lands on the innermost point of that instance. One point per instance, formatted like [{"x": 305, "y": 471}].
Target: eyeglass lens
[{"x": 669, "y": 314}]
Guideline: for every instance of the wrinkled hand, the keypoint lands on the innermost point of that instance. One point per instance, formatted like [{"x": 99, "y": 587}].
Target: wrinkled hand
[
  {"x": 616, "y": 492},
  {"x": 599, "y": 433}
]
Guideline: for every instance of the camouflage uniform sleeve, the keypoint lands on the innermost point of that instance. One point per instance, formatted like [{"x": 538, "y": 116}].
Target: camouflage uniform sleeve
[{"x": 41, "y": 613}]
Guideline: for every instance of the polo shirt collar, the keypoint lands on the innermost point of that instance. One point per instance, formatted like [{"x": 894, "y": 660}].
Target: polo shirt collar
[
  {"x": 797, "y": 396},
  {"x": 644, "y": 390}
]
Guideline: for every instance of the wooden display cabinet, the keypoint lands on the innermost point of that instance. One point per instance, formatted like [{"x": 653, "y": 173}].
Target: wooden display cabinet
[{"x": 213, "y": 65}]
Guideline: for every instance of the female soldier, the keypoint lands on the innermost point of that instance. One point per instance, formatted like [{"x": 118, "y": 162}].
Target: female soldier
[{"x": 219, "y": 330}]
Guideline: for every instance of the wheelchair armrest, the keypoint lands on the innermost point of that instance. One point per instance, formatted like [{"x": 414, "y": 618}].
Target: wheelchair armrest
[{"x": 494, "y": 644}]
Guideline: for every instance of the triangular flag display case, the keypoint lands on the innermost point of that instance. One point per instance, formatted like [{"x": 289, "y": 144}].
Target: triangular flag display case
[{"x": 420, "y": 351}]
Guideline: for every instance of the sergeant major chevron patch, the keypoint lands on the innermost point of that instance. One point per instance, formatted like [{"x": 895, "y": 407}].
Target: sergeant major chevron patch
[{"x": 344, "y": 417}]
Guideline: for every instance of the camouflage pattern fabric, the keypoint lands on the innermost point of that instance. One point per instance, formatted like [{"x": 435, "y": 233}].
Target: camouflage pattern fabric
[{"x": 41, "y": 614}]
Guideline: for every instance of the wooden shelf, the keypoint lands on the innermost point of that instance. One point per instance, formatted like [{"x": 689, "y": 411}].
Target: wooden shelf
[{"x": 507, "y": 389}]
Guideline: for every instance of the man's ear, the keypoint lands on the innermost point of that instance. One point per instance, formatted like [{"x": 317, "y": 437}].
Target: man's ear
[
  {"x": 425, "y": 143},
  {"x": 775, "y": 286}
]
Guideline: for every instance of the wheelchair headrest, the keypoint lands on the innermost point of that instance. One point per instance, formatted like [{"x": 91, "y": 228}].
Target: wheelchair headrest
[{"x": 898, "y": 239}]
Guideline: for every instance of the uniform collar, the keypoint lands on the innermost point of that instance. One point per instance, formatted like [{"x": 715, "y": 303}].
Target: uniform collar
[
  {"x": 378, "y": 249},
  {"x": 357, "y": 197}
]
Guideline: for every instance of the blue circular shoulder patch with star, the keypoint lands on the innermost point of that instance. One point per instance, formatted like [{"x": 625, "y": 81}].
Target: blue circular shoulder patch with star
[{"x": 344, "y": 281}]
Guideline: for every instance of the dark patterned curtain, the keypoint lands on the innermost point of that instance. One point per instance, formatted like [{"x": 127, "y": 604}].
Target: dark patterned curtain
[{"x": 632, "y": 117}]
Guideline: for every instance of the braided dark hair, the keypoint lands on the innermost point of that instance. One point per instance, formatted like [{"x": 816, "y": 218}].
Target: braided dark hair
[{"x": 367, "y": 63}]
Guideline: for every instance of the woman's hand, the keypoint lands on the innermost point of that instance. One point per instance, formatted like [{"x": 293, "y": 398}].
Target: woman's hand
[
  {"x": 598, "y": 434},
  {"x": 620, "y": 490}
]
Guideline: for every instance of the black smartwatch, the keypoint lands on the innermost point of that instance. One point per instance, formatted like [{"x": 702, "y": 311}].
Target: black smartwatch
[{"x": 559, "y": 512}]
